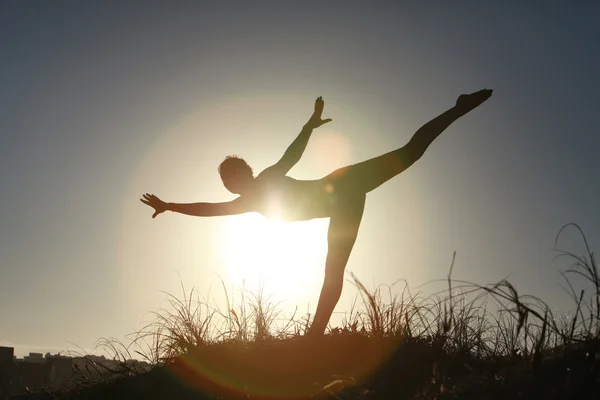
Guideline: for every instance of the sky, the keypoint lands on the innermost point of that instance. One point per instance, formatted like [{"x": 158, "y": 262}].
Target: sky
[{"x": 104, "y": 101}]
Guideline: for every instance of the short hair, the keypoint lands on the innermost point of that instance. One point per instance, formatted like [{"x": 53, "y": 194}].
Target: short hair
[{"x": 231, "y": 165}]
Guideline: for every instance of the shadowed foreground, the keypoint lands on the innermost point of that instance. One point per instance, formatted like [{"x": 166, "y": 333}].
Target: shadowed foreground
[
  {"x": 350, "y": 366},
  {"x": 470, "y": 342}
]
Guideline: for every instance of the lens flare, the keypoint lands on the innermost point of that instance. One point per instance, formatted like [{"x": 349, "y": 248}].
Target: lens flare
[{"x": 329, "y": 150}]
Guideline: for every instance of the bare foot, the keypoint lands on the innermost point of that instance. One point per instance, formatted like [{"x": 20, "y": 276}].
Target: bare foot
[{"x": 468, "y": 102}]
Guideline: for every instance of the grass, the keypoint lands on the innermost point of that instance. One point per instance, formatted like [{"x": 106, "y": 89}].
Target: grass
[{"x": 467, "y": 341}]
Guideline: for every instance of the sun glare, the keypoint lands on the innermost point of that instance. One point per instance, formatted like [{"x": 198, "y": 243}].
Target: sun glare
[{"x": 285, "y": 258}]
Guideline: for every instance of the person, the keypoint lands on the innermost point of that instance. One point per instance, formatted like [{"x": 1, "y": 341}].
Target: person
[{"x": 340, "y": 196}]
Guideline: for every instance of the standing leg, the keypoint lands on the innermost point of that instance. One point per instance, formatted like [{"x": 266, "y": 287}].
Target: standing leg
[
  {"x": 370, "y": 174},
  {"x": 343, "y": 229}
]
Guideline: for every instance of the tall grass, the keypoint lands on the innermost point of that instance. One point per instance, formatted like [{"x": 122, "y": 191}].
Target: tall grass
[
  {"x": 484, "y": 321},
  {"x": 465, "y": 321}
]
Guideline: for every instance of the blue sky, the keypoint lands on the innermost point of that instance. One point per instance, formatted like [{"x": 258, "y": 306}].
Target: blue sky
[{"x": 103, "y": 101}]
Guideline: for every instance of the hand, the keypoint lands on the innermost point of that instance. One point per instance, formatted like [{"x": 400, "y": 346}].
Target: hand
[
  {"x": 154, "y": 202},
  {"x": 315, "y": 121}
]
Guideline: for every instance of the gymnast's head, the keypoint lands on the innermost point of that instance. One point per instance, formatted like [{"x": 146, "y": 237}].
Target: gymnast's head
[{"x": 236, "y": 174}]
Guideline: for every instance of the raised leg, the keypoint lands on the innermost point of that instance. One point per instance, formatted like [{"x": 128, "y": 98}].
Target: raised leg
[
  {"x": 370, "y": 174},
  {"x": 343, "y": 229}
]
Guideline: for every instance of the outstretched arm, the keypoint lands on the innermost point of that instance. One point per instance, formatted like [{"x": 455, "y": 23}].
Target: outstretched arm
[
  {"x": 237, "y": 206},
  {"x": 294, "y": 152}
]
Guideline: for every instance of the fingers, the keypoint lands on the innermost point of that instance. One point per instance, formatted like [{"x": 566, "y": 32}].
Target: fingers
[
  {"x": 151, "y": 200},
  {"x": 319, "y": 104},
  {"x": 150, "y": 197}
]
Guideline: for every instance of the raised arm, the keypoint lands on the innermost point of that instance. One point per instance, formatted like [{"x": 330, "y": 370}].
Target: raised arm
[
  {"x": 234, "y": 207},
  {"x": 294, "y": 152}
]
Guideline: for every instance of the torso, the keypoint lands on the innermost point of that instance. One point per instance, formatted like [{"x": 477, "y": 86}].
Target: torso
[{"x": 288, "y": 199}]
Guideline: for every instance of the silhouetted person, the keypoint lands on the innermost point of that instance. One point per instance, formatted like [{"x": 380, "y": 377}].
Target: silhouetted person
[{"x": 340, "y": 195}]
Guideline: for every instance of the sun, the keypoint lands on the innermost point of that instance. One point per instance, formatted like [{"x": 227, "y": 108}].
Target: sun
[{"x": 285, "y": 259}]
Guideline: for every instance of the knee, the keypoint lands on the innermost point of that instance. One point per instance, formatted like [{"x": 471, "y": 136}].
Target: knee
[
  {"x": 334, "y": 274},
  {"x": 333, "y": 283}
]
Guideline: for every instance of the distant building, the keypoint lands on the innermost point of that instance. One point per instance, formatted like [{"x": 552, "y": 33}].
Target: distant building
[
  {"x": 36, "y": 371},
  {"x": 7, "y": 355},
  {"x": 8, "y": 368},
  {"x": 34, "y": 358},
  {"x": 61, "y": 370}
]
